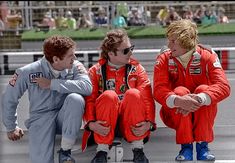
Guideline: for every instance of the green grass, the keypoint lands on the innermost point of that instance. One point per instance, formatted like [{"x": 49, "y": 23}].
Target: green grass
[{"x": 133, "y": 32}]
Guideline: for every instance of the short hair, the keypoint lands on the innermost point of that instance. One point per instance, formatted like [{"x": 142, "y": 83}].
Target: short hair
[
  {"x": 186, "y": 32},
  {"x": 57, "y": 46},
  {"x": 112, "y": 41}
]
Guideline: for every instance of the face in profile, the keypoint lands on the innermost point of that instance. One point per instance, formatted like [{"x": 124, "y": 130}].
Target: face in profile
[
  {"x": 67, "y": 61},
  {"x": 174, "y": 46},
  {"x": 123, "y": 53}
]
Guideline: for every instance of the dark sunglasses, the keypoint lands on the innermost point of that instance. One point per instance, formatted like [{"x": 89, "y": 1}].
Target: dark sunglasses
[{"x": 127, "y": 50}]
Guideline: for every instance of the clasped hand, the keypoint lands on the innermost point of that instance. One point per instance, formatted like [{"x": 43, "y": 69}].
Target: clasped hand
[
  {"x": 15, "y": 134},
  {"x": 187, "y": 103},
  {"x": 99, "y": 127}
]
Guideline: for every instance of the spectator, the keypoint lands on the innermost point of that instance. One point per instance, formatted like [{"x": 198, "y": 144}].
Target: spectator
[
  {"x": 172, "y": 16},
  {"x": 187, "y": 13},
  {"x": 122, "y": 10},
  {"x": 199, "y": 14},
  {"x": 101, "y": 19},
  {"x": 84, "y": 21},
  {"x": 221, "y": 17},
  {"x": 60, "y": 20},
  {"x": 161, "y": 16},
  {"x": 71, "y": 22},
  {"x": 4, "y": 11},
  {"x": 135, "y": 18},
  {"x": 48, "y": 21},
  {"x": 209, "y": 18},
  {"x": 13, "y": 20},
  {"x": 2, "y": 25},
  {"x": 146, "y": 15},
  {"x": 119, "y": 21}
]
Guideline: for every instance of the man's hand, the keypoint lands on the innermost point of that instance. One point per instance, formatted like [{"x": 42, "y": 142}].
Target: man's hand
[
  {"x": 43, "y": 83},
  {"x": 140, "y": 128},
  {"x": 182, "y": 111},
  {"x": 187, "y": 103},
  {"x": 15, "y": 134},
  {"x": 99, "y": 128}
]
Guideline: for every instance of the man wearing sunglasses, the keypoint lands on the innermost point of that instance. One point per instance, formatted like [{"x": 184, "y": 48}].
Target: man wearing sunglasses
[{"x": 121, "y": 102}]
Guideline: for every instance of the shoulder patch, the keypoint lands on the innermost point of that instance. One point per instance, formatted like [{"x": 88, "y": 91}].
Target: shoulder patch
[
  {"x": 13, "y": 79},
  {"x": 217, "y": 63},
  {"x": 157, "y": 62},
  {"x": 35, "y": 75}
]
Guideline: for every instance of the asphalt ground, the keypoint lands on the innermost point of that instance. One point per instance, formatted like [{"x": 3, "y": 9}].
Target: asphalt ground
[{"x": 160, "y": 149}]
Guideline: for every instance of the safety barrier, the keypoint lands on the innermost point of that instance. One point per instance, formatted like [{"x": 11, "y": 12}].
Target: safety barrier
[{"x": 9, "y": 61}]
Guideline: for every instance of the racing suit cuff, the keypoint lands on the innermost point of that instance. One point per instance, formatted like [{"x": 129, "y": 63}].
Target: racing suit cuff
[
  {"x": 170, "y": 101},
  {"x": 12, "y": 129},
  {"x": 204, "y": 99}
]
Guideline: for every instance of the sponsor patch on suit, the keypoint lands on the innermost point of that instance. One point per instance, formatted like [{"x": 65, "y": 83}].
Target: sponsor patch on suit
[
  {"x": 195, "y": 70},
  {"x": 35, "y": 75},
  {"x": 13, "y": 79}
]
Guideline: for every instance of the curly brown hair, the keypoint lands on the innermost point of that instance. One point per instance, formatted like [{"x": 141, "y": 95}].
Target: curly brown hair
[
  {"x": 112, "y": 41},
  {"x": 57, "y": 46}
]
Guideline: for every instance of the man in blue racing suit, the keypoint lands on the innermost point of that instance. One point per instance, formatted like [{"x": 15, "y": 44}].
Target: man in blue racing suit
[{"x": 56, "y": 84}]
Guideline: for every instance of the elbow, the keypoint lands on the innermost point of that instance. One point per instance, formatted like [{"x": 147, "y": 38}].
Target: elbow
[
  {"x": 228, "y": 90},
  {"x": 88, "y": 90}
]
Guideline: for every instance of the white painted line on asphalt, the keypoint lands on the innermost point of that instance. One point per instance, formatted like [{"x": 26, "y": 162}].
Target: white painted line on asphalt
[
  {"x": 216, "y": 161},
  {"x": 224, "y": 161}
]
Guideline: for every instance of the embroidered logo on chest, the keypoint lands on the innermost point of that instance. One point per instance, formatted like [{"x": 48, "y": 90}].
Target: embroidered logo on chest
[
  {"x": 35, "y": 75},
  {"x": 13, "y": 79}
]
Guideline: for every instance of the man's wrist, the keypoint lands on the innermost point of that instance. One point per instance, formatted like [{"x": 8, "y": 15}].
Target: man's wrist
[{"x": 151, "y": 126}]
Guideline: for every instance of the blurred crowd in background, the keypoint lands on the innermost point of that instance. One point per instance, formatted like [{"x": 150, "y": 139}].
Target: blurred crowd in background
[{"x": 39, "y": 15}]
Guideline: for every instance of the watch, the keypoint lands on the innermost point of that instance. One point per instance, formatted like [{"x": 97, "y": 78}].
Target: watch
[{"x": 151, "y": 128}]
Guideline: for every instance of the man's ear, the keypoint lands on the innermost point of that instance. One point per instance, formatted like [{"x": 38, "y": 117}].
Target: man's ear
[
  {"x": 111, "y": 53},
  {"x": 55, "y": 59}
]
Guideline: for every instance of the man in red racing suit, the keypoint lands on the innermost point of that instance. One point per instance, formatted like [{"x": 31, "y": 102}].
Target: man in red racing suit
[
  {"x": 121, "y": 99},
  {"x": 189, "y": 82}
]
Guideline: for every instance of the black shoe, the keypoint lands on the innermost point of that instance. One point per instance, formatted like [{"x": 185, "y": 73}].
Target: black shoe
[
  {"x": 100, "y": 157},
  {"x": 65, "y": 156},
  {"x": 139, "y": 156}
]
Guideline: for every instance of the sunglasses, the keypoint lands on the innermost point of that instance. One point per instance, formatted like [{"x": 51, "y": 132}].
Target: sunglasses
[{"x": 127, "y": 50}]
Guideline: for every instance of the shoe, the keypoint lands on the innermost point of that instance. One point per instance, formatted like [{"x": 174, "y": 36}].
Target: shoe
[
  {"x": 100, "y": 157},
  {"x": 186, "y": 153},
  {"x": 139, "y": 156},
  {"x": 65, "y": 156},
  {"x": 203, "y": 152}
]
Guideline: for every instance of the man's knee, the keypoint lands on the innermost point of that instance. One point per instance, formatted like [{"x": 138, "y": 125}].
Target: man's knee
[
  {"x": 132, "y": 93},
  {"x": 109, "y": 95},
  {"x": 75, "y": 100},
  {"x": 201, "y": 88}
]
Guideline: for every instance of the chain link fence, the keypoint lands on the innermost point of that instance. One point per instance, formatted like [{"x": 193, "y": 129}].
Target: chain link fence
[{"x": 19, "y": 16}]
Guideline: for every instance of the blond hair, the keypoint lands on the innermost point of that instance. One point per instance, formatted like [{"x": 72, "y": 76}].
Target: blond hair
[
  {"x": 185, "y": 31},
  {"x": 112, "y": 41}
]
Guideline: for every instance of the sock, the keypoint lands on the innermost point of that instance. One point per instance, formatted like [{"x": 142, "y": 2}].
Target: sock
[
  {"x": 137, "y": 144},
  {"x": 67, "y": 144},
  {"x": 102, "y": 147}
]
